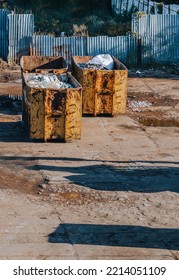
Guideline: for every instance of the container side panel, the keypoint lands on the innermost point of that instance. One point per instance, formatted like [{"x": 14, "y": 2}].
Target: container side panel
[
  {"x": 120, "y": 92},
  {"x": 37, "y": 113},
  {"x": 73, "y": 114},
  {"x": 104, "y": 92},
  {"x": 89, "y": 88},
  {"x": 55, "y": 114}
]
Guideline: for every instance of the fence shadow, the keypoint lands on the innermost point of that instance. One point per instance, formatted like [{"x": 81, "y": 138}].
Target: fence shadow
[{"x": 116, "y": 235}]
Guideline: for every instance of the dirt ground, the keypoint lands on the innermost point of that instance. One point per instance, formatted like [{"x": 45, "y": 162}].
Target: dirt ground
[
  {"x": 111, "y": 195},
  {"x": 146, "y": 107}
]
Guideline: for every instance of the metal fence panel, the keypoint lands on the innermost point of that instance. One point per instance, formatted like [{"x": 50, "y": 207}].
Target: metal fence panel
[
  {"x": 160, "y": 37},
  {"x": 122, "y": 47},
  {"x": 58, "y": 46},
  {"x": 120, "y": 6},
  {"x": 3, "y": 33},
  {"x": 21, "y": 28}
]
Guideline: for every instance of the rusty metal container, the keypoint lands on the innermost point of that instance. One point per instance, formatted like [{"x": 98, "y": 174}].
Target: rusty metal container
[
  {"x": 104, "y": 91},
  {"x": 43, "y": 64},
  {"x": 53, "y": 113}
]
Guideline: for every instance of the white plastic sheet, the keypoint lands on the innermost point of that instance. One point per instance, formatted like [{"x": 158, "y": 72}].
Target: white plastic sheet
[
  {"x": 47, "y": 81},
  {"x": 103, "y": 61}
]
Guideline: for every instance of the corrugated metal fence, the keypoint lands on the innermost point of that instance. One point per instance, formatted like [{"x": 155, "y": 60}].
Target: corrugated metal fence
[
  {"x": 16, "y": 33},
  {"x": 59, "y": 46},
  {"x": 21, "y": 29},
  {"x": 3, "y": 34},
  {"x": 122, "y": 47},
  {"x": 121, "y": 6},
  {"x": 158, "y": 34}
]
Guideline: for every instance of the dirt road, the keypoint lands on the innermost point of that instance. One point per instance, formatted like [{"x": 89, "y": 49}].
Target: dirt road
[{"x": 112, "y": 195}]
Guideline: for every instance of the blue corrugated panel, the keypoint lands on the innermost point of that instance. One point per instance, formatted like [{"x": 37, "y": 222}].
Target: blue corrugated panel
[
  {"x": 3, "y": 34},
  {"x": 59, "y": 46},
  {"x": 21, "y": 28},
  {"x": 120, "y": 6},
  {"x": 160, "y": 37},
  {"x": 122, "y": 47}
]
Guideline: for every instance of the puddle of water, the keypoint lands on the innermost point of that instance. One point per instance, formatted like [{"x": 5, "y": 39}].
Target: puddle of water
[{"x": 159, "y": 122}]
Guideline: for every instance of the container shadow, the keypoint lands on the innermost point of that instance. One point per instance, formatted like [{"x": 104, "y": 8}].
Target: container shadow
[
  {"x": 115, "y": 177},
  {"x": 72, "y": 159},
  {"x": 12, "y": 132},
  {"x": 138, "y": 176},
  {"x": 116, "y": 235},
  {"x": 11, "y": 128},
  {"x": 10, "y": 104}
]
